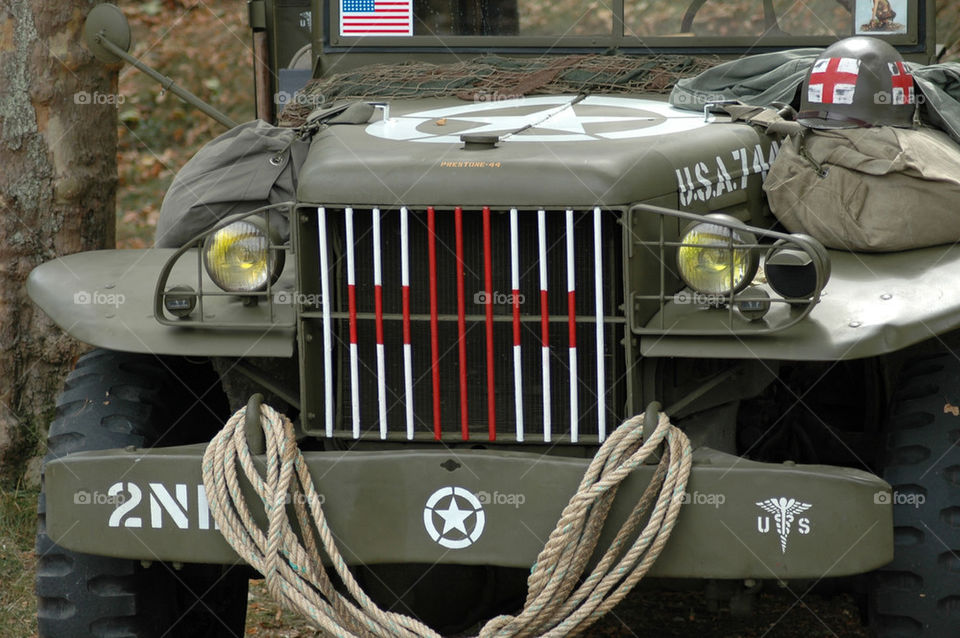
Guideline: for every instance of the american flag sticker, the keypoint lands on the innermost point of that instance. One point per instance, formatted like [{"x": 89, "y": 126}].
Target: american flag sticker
[{"x": 376, "y": 17}]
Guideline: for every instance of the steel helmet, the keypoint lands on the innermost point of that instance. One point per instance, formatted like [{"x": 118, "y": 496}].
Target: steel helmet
[{"x": 858, "y": 82}]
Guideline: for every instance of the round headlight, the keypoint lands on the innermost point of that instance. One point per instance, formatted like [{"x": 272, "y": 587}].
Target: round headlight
[
  {"x": 710, "y": 260},
  {"x": 238, "y": 257}
]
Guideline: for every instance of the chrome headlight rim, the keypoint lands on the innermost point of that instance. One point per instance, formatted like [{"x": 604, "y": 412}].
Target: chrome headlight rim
[
  {"x": 740, "y": 235},
  {"x": 273, "y": 254}
]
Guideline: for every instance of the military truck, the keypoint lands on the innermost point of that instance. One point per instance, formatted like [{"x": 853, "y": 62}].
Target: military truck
[{"x": 470, "y": 289}]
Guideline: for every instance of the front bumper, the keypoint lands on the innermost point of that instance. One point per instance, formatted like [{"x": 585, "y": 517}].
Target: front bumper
[{"x": 742, "y": 519}]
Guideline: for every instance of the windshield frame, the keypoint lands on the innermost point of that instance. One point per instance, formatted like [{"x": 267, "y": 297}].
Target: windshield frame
[{"x": 913, "y": 41}]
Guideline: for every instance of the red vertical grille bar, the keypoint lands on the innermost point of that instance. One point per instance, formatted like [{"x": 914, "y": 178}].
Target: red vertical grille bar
[
  {"x": 461, "y": 326},
  {"x": 572, "y": 329},
  {"x": 488, "y": 285},
  {"x": 405, "y": 293},
  {"x": 544, "y": 322},
  {"x": 378, "y": 313},
  {"x": 434, "y": 320},
  {"x": 352, "y": 306},
  {"x": 517, "y": 354}
]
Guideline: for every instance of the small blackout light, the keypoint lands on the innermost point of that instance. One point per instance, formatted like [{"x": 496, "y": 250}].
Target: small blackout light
[
  {"x": 180, "y": 301},
  {"x": 753, "y": 303}
]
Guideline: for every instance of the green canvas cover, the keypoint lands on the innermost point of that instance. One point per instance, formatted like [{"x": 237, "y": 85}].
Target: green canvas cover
[
  {"x": 775, "y": 77},
  {"x": 252, "y": 165}
]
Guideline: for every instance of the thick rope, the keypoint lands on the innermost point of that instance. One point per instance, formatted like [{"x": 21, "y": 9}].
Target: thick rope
[{"x": 560, "y": 600}]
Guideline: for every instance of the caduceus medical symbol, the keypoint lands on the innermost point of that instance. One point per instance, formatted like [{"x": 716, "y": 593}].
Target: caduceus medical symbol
[{"x": 784, "y": 512}]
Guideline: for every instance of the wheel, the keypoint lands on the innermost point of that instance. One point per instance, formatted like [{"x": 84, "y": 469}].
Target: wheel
[
  {"x": 112, "y": 400},
  {"x": 918, "y": 594}
]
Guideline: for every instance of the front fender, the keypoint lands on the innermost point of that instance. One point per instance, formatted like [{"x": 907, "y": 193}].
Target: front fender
[
  {"x": 873, "y": 304},
  {"x": 105, "y": 298}
]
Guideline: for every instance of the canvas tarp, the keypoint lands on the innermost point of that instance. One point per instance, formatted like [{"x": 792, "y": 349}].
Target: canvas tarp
[
  {"x": 878, "y": 189},
  {"x": 767, "y": 78},
  {"x": 247, "y": 167}
]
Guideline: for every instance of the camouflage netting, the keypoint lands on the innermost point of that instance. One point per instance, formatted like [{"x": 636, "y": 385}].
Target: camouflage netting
[{"x": 492, "y": 77}]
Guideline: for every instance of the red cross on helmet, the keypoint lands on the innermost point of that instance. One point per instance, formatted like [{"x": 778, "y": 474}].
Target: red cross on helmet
[{"x": 858, "y": 82}]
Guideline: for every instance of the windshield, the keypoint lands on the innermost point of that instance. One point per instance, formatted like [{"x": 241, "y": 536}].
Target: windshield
[
  {"x": 724, "y": 19},
  {"x": 632, "y": 22}
]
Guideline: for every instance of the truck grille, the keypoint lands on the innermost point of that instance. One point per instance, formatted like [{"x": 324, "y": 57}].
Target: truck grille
[{"x": 465, "y": 324}]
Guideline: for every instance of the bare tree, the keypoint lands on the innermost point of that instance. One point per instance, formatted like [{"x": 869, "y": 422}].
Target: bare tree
[{"x": 58, "y": 138}]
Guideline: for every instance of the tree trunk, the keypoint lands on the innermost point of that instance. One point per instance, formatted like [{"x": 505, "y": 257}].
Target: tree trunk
[{"x": 58, "y": 141}]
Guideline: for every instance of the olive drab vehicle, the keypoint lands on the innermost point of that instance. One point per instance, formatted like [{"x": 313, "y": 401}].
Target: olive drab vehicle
[{"x": 469, "y": 241}]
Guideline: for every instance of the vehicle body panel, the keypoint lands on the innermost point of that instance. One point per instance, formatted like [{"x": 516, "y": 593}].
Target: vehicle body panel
[
  {"x": 415, "y": 157},
  {"x": 105, "y": 298},
  {"x": 380, "y": 497},
  {"x": 874, "y": 304}
]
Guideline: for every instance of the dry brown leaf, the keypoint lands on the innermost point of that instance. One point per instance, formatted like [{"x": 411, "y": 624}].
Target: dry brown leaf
[{"x": 951, "y": 409}]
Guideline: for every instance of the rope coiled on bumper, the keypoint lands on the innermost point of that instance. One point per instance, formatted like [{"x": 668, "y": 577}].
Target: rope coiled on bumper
[{"x": 560, "y": 600}]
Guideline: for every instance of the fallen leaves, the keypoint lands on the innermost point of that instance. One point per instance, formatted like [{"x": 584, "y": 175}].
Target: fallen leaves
[{"x": 158, "y": 133}]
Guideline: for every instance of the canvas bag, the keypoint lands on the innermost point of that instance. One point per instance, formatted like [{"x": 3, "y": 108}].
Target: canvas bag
[
  {"x": 247, "y": 167},
  {"x": 868, "y": 189}
]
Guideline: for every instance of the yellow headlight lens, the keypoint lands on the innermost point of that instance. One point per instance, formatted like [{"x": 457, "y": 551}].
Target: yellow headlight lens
[
  {"x": 238, "y": 257},
  {"x": 709, "y": 265}
]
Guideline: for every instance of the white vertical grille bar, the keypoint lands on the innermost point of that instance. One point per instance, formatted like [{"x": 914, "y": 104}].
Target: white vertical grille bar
[
  {"x": 328, "y": 406},
  {"x": 515, "y": 285},
  {"x": 545, "y": 322},
  {"x": 571, "y": 312},
  {"x": 407, "y": 348},
  {"x": 598, "y": 295},
  {"x": 378, "y": 291},
  {"x": 354, "y": 356}
]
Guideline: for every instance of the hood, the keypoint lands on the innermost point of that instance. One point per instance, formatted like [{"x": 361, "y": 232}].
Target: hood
[{"x": 552, "y": 151}]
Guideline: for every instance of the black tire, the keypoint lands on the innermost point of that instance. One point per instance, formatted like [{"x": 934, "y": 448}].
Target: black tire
[
  {"x": 918, "y": 593},
  {"x": 113, "y": 400}
]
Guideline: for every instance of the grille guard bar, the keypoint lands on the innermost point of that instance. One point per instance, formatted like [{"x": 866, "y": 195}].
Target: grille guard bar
[
  {"x": 654, "y": 310},
  {"x": 198, "y": 318}
]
